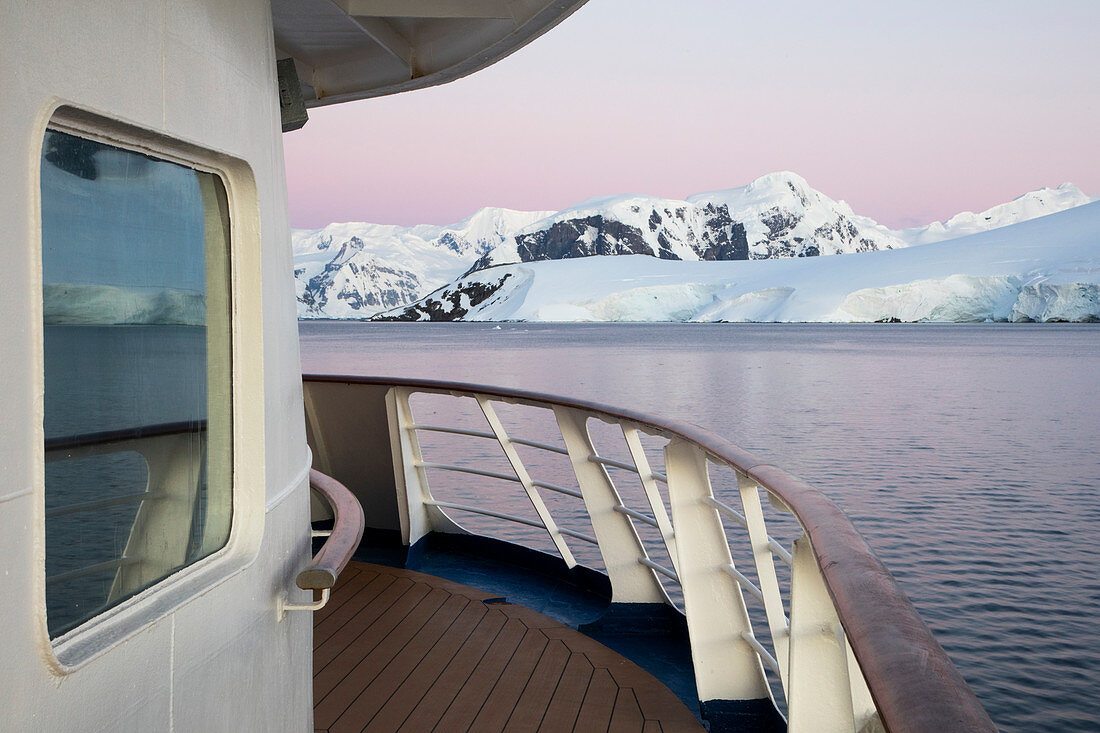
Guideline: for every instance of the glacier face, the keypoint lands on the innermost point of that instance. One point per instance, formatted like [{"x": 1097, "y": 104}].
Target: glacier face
[{"x": 1044, "y": 269}]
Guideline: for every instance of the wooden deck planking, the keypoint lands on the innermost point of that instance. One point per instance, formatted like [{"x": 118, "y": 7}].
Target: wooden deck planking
[
  {"x": 394, "y": 671},
  {"x": 381, "y": 591},
  {"x": 406, "y": 689},
  {"x": 469, "y": 700},
  {"x": 462, "y": 673},
  {"x": 598, "y": 703},
  {"x": 565, "y": 704},
  {"x": 405, "y": 651},
  {"x": 364, "y": 668}
]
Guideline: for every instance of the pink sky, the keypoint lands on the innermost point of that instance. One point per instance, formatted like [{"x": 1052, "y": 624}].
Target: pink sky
[{"x": 908, "y": 118}]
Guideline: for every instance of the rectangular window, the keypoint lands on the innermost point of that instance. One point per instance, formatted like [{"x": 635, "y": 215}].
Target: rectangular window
[{"x": 136, "y": 322}]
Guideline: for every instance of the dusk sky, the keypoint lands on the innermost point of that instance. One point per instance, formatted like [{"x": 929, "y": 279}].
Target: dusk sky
[{"x": 909, "y": 112}]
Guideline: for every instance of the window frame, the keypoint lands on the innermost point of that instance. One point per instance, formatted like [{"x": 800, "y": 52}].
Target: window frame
[{"x": 104, "y": 631}]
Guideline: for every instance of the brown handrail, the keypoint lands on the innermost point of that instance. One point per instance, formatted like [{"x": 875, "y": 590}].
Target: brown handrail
[
  {"x": 347, "y": 530},
  {"x": 913, "y": 682}
]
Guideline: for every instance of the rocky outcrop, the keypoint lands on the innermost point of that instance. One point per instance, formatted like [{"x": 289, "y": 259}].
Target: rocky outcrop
[{"x": 448, "y": 304}]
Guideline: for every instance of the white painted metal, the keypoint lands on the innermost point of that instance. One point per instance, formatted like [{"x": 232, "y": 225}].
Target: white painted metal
[
  {"x": 559, "y": 489},
  {"x": 525, "y": 480},
  {"x": 745, "y": 583},
  {"x": 863, "y": 705},
  {"x": 541, "y": 446},
  {"x": 768, "y": 592},
  {"x": 408, "y": 464},
  {"x": 429, "y": 8},
  {"x": 453, "y": 431},
  {"x": 201, "y": 650},
  {"x": 467, "y": 469},
  {"x": 781, "y": 552},
  {"x": 316, "y": 605},
  {"x": 620, "y": 546},
  {"x": 649, "y": 485},
  {"x": 670, "y": 574},
  {"x": 726, "y": 666},
  {"x": 487, "y": 512},
  {"x": 727, "y": 510},
  {"x": 417, "y": 513},
  {"x": 819, "y": 695},
  {"x": 612, "y": 463},
  {"x": 765, "y": 656},
  {"x": 354, "y": 49},
  {"x": 580, "y": 536},
  {"x": 634, "y": 514}
]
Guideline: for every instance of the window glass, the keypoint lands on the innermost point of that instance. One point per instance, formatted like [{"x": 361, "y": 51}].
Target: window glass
[{"x": 135, "y": 271}]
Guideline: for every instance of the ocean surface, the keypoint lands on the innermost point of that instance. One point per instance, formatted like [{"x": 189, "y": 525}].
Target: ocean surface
[{"x": 967, "y": 455}]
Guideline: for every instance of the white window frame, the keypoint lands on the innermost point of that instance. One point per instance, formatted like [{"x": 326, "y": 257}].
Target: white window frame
[{"x": 94, "y": 637}]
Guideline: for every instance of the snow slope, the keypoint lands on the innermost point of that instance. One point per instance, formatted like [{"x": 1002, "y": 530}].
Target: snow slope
[
  {"x": 1023, "y": 208},
  {"x": 1044, "y": 269}
]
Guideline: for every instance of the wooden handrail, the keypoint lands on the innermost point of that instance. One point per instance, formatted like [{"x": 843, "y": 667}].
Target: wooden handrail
[
  {"x": 347, "y": 531},
  {"x": 913, "y": 682}
]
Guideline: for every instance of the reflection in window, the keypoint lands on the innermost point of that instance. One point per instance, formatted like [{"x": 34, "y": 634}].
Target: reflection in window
[{"x": 135, "y": 264}]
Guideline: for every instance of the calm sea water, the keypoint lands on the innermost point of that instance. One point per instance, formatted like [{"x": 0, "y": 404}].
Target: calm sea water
[{"x": 965, "y": 454}]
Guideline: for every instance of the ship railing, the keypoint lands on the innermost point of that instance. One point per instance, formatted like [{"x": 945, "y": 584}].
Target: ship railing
[
  {"x": 836, "y": 642},
  {"x": 341, "y": 542},
  {"x": 169, "y": 456}
]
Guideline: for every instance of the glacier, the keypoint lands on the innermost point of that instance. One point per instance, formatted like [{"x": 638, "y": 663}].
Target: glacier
[{"x": 1042, "y": 269}]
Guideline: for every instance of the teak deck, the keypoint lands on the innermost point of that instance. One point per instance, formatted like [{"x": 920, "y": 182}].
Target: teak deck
[{"x": 396, "y": 650}]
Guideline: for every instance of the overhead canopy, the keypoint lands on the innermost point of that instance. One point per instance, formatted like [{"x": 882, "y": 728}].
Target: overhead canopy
[{"x": 354, "y": 49}]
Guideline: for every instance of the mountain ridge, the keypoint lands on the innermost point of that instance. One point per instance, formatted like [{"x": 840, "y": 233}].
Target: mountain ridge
[
  {"x": 354, "y": 270},
  {"x": 1044, "y": 269}
]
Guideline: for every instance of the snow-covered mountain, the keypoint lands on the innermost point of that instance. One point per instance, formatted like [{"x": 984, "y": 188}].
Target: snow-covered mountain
[
  {"x": 1031, "y": 205},
  {"x": 1045, "y": 269},
  {"x": 777, "y": 215},
  {"x": 355, "y": 270}
]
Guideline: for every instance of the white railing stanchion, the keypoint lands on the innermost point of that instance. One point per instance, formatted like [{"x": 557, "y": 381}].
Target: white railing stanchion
[
  {"x": 820, "y": 695},
  {"x": 649, "y": 484},
  {"x": 417, "y": 516},
  {"x": 863, "y": 705},
  {"x": 726, "y": 665},
  {"x": 525, "y": 480},
  {"x": 620, "y": 545},
  {"x": 765, "y": 572}
]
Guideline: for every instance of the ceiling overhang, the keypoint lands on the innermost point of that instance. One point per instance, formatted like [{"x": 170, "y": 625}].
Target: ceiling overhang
[{"x": 345, "y": 50}]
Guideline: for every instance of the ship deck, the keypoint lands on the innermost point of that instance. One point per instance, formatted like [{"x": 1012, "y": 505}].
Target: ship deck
[{"x": 398, "y": 650}]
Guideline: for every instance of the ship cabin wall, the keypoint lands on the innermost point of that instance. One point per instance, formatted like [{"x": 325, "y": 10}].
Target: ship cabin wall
[{"x": 204, "y": 649}]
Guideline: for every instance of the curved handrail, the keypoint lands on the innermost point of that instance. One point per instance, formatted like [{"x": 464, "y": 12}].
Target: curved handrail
[
  {"x": 347, "y": 531},
  {"x": 914, "y": 684},
  {"x": 85, "y": 440}
]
